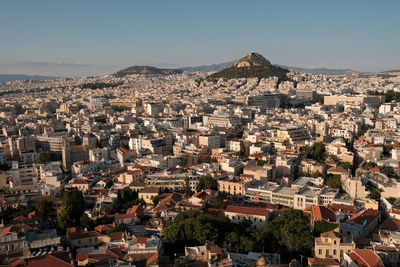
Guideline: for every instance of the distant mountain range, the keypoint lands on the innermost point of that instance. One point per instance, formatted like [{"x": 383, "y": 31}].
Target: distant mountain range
[
  {"x": 221, "y": 66},
  {"x": 146, "y": 70},
  {"x": 209, "y": 68},
  {"x": 204, "y": 68},
  {"x": 13, "y": 77}
]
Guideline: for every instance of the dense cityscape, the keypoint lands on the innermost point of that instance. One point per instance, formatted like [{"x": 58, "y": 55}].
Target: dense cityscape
[
  {"x": 151, "y": 167},
  {"x": 199, "y": 133}
]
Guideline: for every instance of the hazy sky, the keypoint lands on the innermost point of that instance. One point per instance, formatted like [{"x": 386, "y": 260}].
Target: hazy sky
[{"x": 94, "y": 37}]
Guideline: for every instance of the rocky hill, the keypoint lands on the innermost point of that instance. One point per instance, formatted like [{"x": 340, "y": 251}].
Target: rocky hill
[
  {"x": 146, "y": 70},
  {"x": 252, "y": 65}
]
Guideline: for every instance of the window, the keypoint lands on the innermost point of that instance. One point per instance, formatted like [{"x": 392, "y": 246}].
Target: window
[
  {"x": 334, "y": 252},
  {"x": 334, "y": 242},
  {"x": 327, "y": 253},
  {"x": 320, "y": 252}
]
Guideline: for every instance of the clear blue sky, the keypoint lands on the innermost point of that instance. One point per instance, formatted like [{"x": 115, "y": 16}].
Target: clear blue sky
[{"x": 94, "y": 37}]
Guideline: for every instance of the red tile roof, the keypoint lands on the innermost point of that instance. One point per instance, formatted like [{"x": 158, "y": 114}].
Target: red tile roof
[
  {"x": 246, "y": 210},
  {"x": 141, "y": 240},
  {"x": 340, "y": 208},
  {"x": 82, "y": 256},
  {"x": 81, "y": 181},
  {"x": 79, "y": 235},
  {"x": 322, "y": 262},
  {"x": 48, "y": 260},
  {"x": 366, "y": 258},
  {"x": 364, "y": 215},
  {"x": 102, "y": 228},
  {"x": 201, "y": 195},
  {"x": 136, "y": 209},
  {"x": 152, "y": 260},
  {"x": 124, "y": 216},
  {"x": 322, "y": 213},
  {"x": 117, "y": 235},
  {"x": 123, "y": 150}
]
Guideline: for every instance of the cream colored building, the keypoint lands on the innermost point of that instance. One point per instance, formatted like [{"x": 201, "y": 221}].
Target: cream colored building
[
  {"x": 353, "y": 99},
  {"x": 295, "y": 134},
  {"x": 332, "y": 245}
]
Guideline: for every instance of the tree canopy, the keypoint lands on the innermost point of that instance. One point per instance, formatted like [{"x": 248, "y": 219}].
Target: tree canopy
[
  {"x": 316, "y": 152},
  {"x": 72, "y": 208},
  {"x": 322, "y": 226},
  {"x": 206, "y": 182},
  {"x": 334, "y": 181},
  {"x": 287, "y": 234},
  {"x": 48, "y": 156}
]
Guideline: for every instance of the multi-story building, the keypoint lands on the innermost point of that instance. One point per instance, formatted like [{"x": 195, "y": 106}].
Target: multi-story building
[
  {"x": 332, "y": 245},
  {"x": 231, "y": 187},
  {"x": 257, "y": 216},
  {"x": 294, "y": 134}
]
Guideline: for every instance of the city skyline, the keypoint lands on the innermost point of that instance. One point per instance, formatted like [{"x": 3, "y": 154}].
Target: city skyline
[{"x": 94, "y": 38}]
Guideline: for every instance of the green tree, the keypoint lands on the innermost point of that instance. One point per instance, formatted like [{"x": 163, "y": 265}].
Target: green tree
[
  {"x": 126, "y": 198},
  {"x": 206, "y": 182},
  {"x": 318, "y": 151},
  {"x": 86, "y": 222},
  {"x": 261, "y": 162},
  {"x": 72, "y": 208},
  {"x": 215, "y": 203},
  {"x": 155, "y": 200},
  {"x": 116, "y": 229},
  {"x": 288, "y": 234},
  {"x": 45, "y": 157},
  {"x": 345, "y": 165},
  {"x": 375, "y": 194},
  {"x": 322, "y": 226},
  {"x": 46, "y": 208},
  {"x": 193, "y": 227},
  {"x": 334, "y": 181},
  {"x": 242, "y": 149}
]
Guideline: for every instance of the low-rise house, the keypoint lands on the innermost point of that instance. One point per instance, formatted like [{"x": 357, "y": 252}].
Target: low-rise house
[
  {"x": 80, "y": 184},
  {"x": 311, "y": 166},
  {"x": 257, "y": 216},
  {"x": 266, "y": 172},
  {"x": 43, "y": 239},
  {"x": 231, "y": 187},
  {"x": 130, "y": 176},
  {"x": 125, "y": 219},
  {"x": 361, "y": 258},
  {"x": 332, "y": 245},
  {"x": 322, "y": 213},
  {"x": 209, "y": 254},
  {"x": 97, "y": 257},
  {"x": 78, "y": 238},
  {"x": 148, "y": 193},
  {"x": 199, "y": 198},
  {"x": 145, "y": 245},
  {"x": 389, "y": 231},
  {"x": 10, "y": 241},
  {"x": 389, "y": 254},
  {"x": 361, "y": 224},
  {"x": 56, "y": 258}
]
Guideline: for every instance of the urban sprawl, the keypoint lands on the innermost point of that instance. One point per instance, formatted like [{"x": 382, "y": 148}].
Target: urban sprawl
[{"x": 180, "y": 169}]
